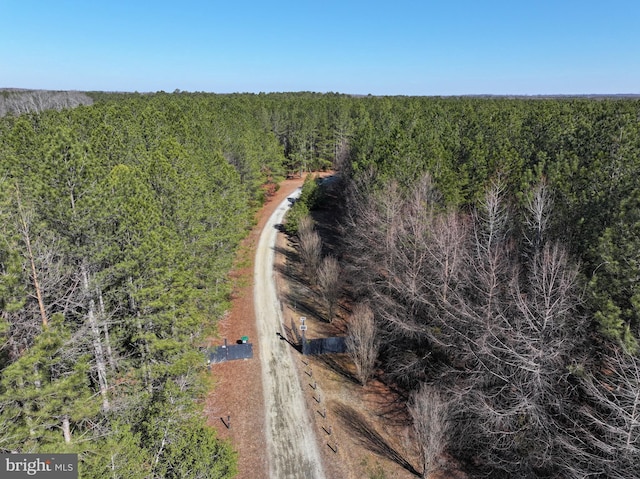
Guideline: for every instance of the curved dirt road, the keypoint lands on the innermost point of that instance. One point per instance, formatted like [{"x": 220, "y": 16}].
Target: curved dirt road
[{"x": 291, "y": 443}]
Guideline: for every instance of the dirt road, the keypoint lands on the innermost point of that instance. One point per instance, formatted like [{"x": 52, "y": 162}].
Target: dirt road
[{"x": 291, "y": 443}]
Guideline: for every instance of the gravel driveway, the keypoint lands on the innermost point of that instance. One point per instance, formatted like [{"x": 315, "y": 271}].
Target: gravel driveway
[{"x": 291, "y": 442}]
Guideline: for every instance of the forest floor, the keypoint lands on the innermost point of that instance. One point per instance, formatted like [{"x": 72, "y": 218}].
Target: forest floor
[{"x": 362, "y": 432}]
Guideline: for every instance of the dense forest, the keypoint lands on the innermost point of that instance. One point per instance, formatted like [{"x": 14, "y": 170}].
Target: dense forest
[
  {"x": 496, "y": 243},
  {"x": 119, "y": 225},
  {"x": 494, "y": 240},
  {"x": 492, "y": 246}
]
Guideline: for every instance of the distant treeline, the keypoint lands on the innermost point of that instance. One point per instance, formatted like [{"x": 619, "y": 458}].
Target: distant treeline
[{"x": 18, "y": 102}]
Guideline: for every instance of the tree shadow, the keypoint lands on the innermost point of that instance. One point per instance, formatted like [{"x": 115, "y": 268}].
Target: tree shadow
[
  {"x": 369, "y": 438},
  {"x": 286, "y": 337},
  {"x": 303, "y": 300},
  {"x": 336, "y": 363},
  {"x": 300, "y": 296},
  {"x": 284, "y": 267},
  {"x": 391, "y": 406}
]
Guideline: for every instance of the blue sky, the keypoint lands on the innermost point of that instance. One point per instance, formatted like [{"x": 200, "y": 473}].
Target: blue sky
[{"x": 396, "y": 47}]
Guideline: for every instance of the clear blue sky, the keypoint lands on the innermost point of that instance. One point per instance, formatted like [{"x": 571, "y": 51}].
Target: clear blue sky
[{"x": 395, "y": 47}]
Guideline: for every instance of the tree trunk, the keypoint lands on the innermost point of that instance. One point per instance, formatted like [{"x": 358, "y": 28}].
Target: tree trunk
[
  {"x": 105, "y": 329},
  {"x": 97, "y": 343},
  {"x": 66, "y": 429},
  {"x": 144, "y": 351},
  {"x": 26, "y": 236}
]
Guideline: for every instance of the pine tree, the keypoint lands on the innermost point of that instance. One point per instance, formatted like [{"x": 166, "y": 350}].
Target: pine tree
[{"x": 45, "y": 395}]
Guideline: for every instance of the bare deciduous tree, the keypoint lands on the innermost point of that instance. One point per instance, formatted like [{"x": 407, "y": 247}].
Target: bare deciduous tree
[
  {"x": 538, "y": 214},
  {"x": 498, "y": 325},
  {"x": 305, "y": 225},
  {"x": 431, "y": 414},
  {"x": 522, "y": 326},
  {"x": 25, "y": 101},
  {"x": 329, "y": 280},
  {"x": 362, "y": 341},
  {"x": 310, "y": 250},
  {"x": 609, "y": 418}
]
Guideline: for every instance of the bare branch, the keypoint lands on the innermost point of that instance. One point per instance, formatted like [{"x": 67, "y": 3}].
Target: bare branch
[
  {"x": 362, "y": 341},
  {"x": 310, "y": 249},
  {"x": 329, "y": 281},
  {"x": 431, "y": 422}
]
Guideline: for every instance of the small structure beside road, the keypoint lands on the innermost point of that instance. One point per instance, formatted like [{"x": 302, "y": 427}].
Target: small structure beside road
[{"x": 229, "y": 352}]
